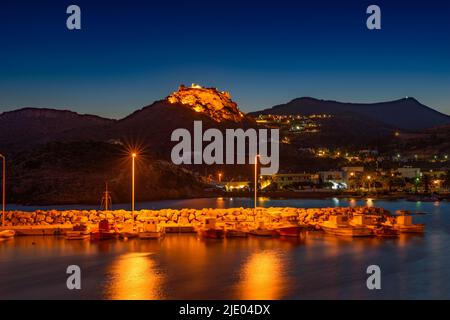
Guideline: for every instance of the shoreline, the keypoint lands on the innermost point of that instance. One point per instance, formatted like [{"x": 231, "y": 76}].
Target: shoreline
[{"x": 310, "y": 195}]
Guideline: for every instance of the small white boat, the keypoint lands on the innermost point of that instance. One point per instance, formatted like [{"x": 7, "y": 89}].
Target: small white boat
[
  {"x": 263, "y": 231},
  {"x": 148, "y": 235},
  {"x": 80, "y": 232},
  {"x": 7, "y": 234},
  {"x": 339, "y": 226},
  {"x": 151, "y": 230},
  {"x": 404, "y": 223},
  {"x": 77, "y": 235},
  {"x": 129, "y": 231}
]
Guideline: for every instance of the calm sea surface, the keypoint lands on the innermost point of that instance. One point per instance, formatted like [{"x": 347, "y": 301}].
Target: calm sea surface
[{"x": 315, "y": 266}]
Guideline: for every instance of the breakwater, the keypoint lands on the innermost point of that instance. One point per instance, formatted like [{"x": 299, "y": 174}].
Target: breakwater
[{"x": 183, "y": 216}]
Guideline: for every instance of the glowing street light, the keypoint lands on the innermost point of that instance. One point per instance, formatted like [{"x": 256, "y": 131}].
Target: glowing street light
[
  {"x": 256, "y": 178},
  {"x": 220, "y": 177},
  {"x": 3, "y": 188},
  {"x": 133, "y": 157}
]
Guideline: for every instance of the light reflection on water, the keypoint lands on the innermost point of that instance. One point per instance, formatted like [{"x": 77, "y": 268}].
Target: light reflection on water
[
  {"x": 185, "y": 267},
  {"x": 134, "y": 276},
  {"x": 262, "y": 276}
]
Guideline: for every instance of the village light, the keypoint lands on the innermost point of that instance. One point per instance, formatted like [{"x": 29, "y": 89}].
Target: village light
[{"x": 220, "y": 177}]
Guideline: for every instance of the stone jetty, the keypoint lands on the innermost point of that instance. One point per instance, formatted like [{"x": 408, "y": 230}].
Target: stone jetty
[{"x": 193, "y": 217}]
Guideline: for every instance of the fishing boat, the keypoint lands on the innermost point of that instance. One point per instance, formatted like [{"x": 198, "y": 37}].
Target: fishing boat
[
  {"x": 385, "y": 232},
  {"x": 105, "y": 231},
  {"x": 339, "y": 226},
  {"x": 129, "y": 231},
  {"x": 7, "y": 234},
  {"x": 151, "y": 230},
  {"x": 289, "y": 227},
  {"x": 210, "y": 230},
  {"x": 363, "y": 220},
  {"x": 236, "y": 231},
  {"x": 263, "y": 231},
  {"x": 79, "y": 232},
  {"x": 404, "y": 223}
]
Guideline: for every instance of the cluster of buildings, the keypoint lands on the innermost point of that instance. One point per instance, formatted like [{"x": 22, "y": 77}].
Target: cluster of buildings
[
  {"x": 293, "y": 123},
  {"x": 358, "y": 178}
]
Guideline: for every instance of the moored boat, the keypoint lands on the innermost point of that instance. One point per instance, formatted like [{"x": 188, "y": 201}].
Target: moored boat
[
  {"x": 79, "y": 232},
  {"x": 129, "y": 231},
  {"x": 263, "y": 231},
  {"x": 338, "y": 225},
  {"x": 105, "y": 231},
  {"x": 7, "y": 234},
  {"x": 151, "y": 230},
  {"x": 235, "y": 231},
  {"x": 289, "y": 227},
  {"x": 385, "y": 232},
  {"x": 404, "y": 223},
  {"x": 289, "y": 231},
  {"x": 210, "y": 230}
]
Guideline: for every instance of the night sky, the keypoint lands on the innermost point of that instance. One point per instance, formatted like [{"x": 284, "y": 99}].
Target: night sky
[{"x": 131, "y": 53}]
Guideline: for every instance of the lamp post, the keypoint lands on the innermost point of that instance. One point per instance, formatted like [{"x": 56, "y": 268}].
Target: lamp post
[
  {"x": 133, "y": 157},
  {"x": 256, "y": 178},
  {"x": 3, "y": 188},
  {"x": 369, "y": 178},
  {"x": 220, "y": 177}
]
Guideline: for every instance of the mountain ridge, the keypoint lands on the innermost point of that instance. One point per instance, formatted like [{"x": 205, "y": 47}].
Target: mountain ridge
[{"x": 407, "y": 113}]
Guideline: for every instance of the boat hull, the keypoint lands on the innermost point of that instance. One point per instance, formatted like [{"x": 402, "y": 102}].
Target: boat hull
[
  {"x": 7, "y": 234},
  {"x": 129, "y": 235},
  {"x": 291, "y": 231},
  {"x": 347, "y": 231},
  {"x": 104, "y": 235},
  {"x": 416, "y": 228},
  {"x": 77, "y": 235},
  {"x": 236, "y": 234},
  {"x": 263, "y": 233},
  {"x": 211, "y": 233},
  {"x": 148, "y": 235}
]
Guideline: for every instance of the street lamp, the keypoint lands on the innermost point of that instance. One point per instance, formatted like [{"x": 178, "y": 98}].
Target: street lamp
[
  {"x": 220, "y": 177},
  {"x": 369, "y": 178},
  {"x": 133, "y": 157},
  {"x": 3, "y": 188},
  {"x": 256, "y": 178}
]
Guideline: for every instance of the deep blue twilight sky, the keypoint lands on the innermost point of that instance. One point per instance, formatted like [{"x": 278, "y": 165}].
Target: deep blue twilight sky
[{"x": 131, "y": 53}]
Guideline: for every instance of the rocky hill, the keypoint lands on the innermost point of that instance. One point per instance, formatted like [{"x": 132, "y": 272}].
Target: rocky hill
[{"x": 209, "y": 101}]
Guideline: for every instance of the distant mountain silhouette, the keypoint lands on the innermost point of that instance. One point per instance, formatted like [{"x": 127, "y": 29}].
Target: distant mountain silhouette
[
  {"x": 406, "y": 114},
  {"x": 23, "y": 128}
]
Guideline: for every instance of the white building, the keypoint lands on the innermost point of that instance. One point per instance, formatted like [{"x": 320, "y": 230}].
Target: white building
[{"x": 409, "y": 172}]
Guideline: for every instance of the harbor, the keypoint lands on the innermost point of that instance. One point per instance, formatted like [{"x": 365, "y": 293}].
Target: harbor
[
  {"x": 313, "y": 265},
  {"x": 211, "y": 223}
]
